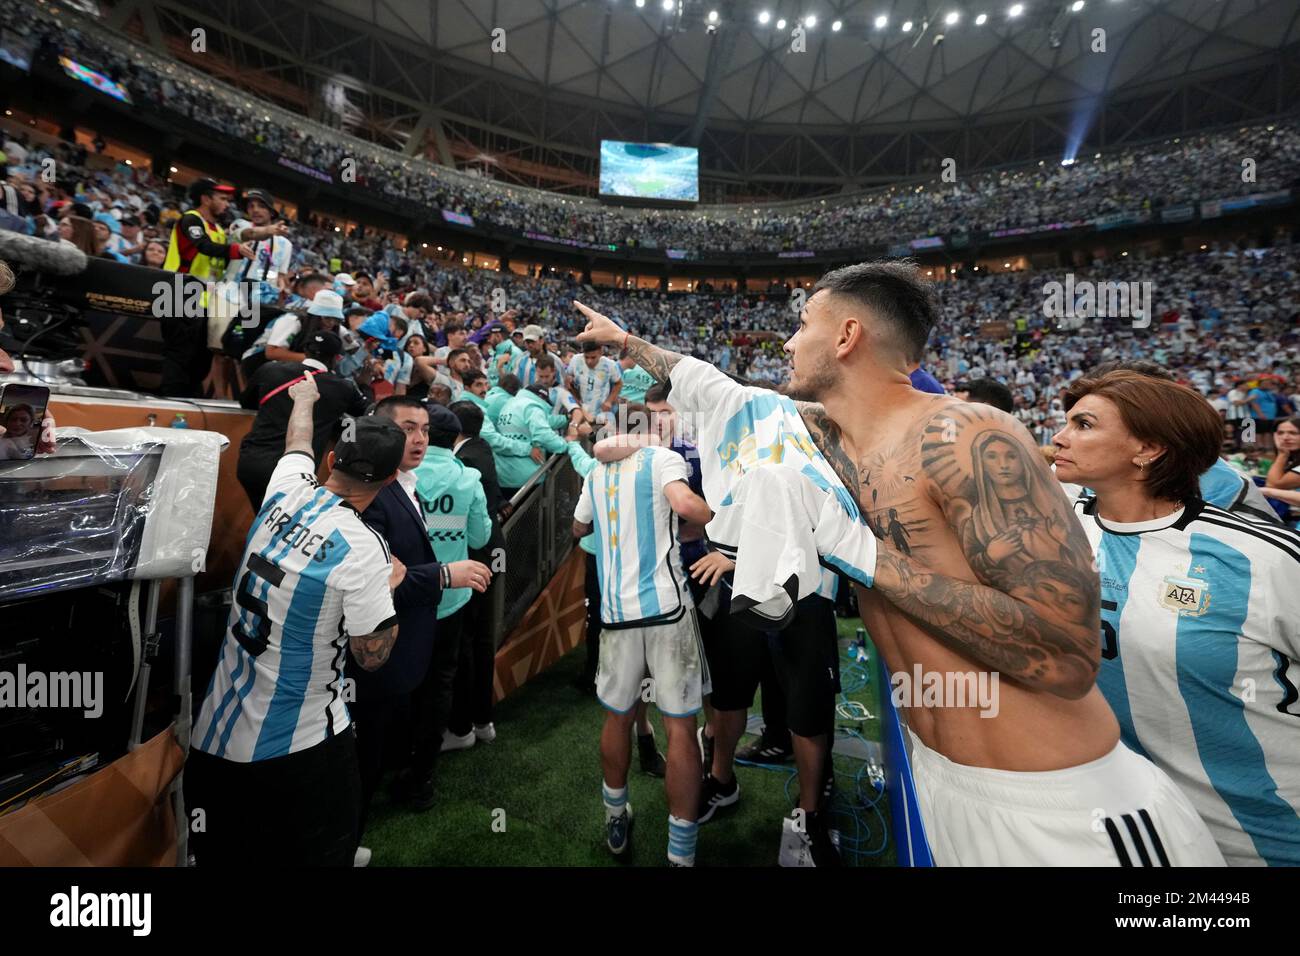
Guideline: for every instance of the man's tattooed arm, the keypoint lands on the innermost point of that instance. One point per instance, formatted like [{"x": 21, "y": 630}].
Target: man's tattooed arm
[
  {"x": 1033, "y": 615},
  {"x": 827, "y": 437},
  {"x": 658, "y": 362},
  {"x": 371, "y": 651}
]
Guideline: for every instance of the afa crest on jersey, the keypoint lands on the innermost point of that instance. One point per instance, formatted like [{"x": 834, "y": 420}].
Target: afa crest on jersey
[{"x": 1187, "y": 596}]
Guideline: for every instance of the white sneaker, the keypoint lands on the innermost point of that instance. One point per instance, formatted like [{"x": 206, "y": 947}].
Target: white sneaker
[
  {"x": 797, "y": 847},
  {"x": 452, "y": 741},
  {"x": 485, "y": 732},
  {"x": 361, "y": 857}
]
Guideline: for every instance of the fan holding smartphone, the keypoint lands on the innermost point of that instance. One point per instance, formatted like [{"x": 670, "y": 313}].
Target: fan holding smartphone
[{"x": 22, "y": 419}]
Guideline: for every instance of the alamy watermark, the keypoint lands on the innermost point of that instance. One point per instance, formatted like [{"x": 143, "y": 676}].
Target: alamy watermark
[
  {"x": 71, "y": 690},
  {"x": 921, "y": 688},
  {"x": 1073, "y": 301}
]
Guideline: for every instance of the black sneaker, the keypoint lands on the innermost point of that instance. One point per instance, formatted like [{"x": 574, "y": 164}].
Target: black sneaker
[
  {"x": 766, "y": 750},
  {"x": 715, "y": 795},
  {"x": 652, "y": 761},
  {"x": 418, "y": 793},
  {"x": 618, "y": 832},
  {"x": 706, "y": 751}
]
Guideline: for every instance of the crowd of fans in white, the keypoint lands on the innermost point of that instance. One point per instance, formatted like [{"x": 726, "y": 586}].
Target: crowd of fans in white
[{"x": 1136, "y": 180}]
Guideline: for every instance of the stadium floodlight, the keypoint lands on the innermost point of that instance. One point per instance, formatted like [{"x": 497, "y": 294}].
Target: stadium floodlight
[
  {"x": 810, "y": 21},
  {"x": 907, "y": 26},
  {"x": 764, "y": 17},
  {"x": 982, "y": 19},
  {"x": 952, "y": 17},
  {"x": 669, "y": 4},
  {"x": 640, "y": 4},
  {"x": 713, "y": 16},
  {"x": 882, "y": 21},
  {"x": 1076, "y": 6},
  {"x": 1016, "y": 10},
  {"x": 835, "y": 27},
  {"x": 780, "y": 24}
]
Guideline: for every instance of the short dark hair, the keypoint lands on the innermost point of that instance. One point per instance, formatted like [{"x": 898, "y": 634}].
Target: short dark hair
[
  {"x": 453, "y": 326},
  {"x": 387, "y": 407},
  {"x": 893, "y": 290},
  {"x": 439, "y": 394},
  {"x": 452, "y": 353},
  {"x": 510, "y": 383},
  {"x": 1158, "y": 410},
  {"x": 989, "y": 391},
  {"x": 470, "y": 377},
  {"x": 309, "y": 277},
  {"x": 420, "y": 300},
  {"x": 547, "y": 360},
  {"x": 471, "y": 418},
  {"x": 658, "y": 392}
]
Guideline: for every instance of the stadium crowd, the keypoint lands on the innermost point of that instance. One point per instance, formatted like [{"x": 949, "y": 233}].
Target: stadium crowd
[
  {"x": 1139, "y": 179},
  {"x": 443, "y": 390}
]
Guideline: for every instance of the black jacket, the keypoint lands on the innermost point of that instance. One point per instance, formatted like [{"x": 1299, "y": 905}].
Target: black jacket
[
  {"x": 338, "y": 397},
  {"x": 476, "y": 453},
  {"x": 393, "y": 516}
]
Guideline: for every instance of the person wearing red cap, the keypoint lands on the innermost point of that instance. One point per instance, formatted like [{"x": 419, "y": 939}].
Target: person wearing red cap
[{"x": 198, "y": 247}]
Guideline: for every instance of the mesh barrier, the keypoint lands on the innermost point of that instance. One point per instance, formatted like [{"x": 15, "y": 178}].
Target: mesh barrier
[{"x": 538, "y": 537}]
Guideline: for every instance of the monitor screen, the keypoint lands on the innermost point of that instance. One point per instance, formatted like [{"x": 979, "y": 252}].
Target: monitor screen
[
  {"x": 649, "y": 171},
  {"x": 95, "y": 79}
]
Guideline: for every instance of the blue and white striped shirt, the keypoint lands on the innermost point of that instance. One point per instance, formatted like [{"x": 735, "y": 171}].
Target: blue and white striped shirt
[
  {"x": 312, "y": 576},
  {"x": 638, "y": 560},
  {"x": 1200, "y": 642}
]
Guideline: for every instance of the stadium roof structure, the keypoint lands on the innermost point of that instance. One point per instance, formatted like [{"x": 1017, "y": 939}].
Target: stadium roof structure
[{"x": 868, "y": 91}]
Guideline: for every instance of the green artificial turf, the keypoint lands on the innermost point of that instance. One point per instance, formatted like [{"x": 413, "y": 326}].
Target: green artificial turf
[{"x": 533, "y": 798}]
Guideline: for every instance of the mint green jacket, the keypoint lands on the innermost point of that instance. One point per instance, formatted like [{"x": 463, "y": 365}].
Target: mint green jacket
[
  {"x": 499, "y": 444},
  {"x": 455, "y": 515},
  {"x": 526, "y": 417}
]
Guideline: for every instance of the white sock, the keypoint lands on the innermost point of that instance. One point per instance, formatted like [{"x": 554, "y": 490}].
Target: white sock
[
  {"x": 682, "y": 836},
  {"x": 615, "y": 800}
]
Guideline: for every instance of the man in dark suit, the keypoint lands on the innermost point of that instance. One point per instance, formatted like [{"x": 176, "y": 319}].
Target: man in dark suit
[
  {"x": 268, "y": 395},
  {"x": 385, "y": 703},
  {"x": 471, "y": 707}
]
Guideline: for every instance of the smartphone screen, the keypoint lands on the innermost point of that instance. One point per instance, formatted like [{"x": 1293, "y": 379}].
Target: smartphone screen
[{"x": 22, "y": 409}]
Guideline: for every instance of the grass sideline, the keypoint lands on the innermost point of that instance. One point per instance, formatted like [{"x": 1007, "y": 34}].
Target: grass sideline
[{"x": 540, "y": 783}]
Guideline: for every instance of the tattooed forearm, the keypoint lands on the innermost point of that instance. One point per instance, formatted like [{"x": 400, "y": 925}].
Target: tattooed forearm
[
  {"x": 658, "y": 362},
  {"x": 830, "y": 442},
  {"x": 1019, "y": 638},
  {"x": 370, "y": 651}
]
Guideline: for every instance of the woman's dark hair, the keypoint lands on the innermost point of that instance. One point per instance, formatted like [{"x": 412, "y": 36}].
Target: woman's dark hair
[
  {"x": 1292, "y": 458},
  {"x": 1158, "y": 410}
]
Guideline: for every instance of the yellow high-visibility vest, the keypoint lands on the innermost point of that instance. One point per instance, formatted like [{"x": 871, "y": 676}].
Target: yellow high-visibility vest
[{"x": 202, "y": 266}]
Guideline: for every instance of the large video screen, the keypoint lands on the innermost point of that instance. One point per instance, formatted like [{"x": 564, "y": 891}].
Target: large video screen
[
  {"x": 94, "y": 78},
  {"x": 649, "y": 171}
]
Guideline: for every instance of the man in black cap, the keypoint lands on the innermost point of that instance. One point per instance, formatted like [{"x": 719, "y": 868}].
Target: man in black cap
[
  {"x": 268, "y": 394},
  {"x": 198, "y": 247},
  {"x": 274, "y": 758}
]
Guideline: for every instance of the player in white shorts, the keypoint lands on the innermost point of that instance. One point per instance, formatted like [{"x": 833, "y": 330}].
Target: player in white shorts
[
  {"x": 981, "y": 569},
  {"x": 647, "y": 626}
]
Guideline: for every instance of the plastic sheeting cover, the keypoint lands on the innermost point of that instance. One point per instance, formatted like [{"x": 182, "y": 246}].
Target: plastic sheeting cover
[{"x": 109, "y": 505}]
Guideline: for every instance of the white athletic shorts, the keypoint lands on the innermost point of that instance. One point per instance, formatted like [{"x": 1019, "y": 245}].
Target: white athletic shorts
[
  {"x": 669, "y": 654},
  {"x": 1119, "y": 810}
]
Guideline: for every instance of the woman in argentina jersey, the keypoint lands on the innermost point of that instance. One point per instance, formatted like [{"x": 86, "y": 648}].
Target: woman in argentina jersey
[{"x": 1200, "y": 611}]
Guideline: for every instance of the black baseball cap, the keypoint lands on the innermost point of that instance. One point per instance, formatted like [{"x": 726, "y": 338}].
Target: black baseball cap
[
  {"x": 323, "y": 344},
  {"x": 262, "y": 196},
  {"x": 442, "y": 419},
  {"x": 204, "y": 186},
  {"x": 377, "y": 448}
]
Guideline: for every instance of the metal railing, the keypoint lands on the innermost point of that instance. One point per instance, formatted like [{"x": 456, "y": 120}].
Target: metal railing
[{"x": 538, "y": 538}]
